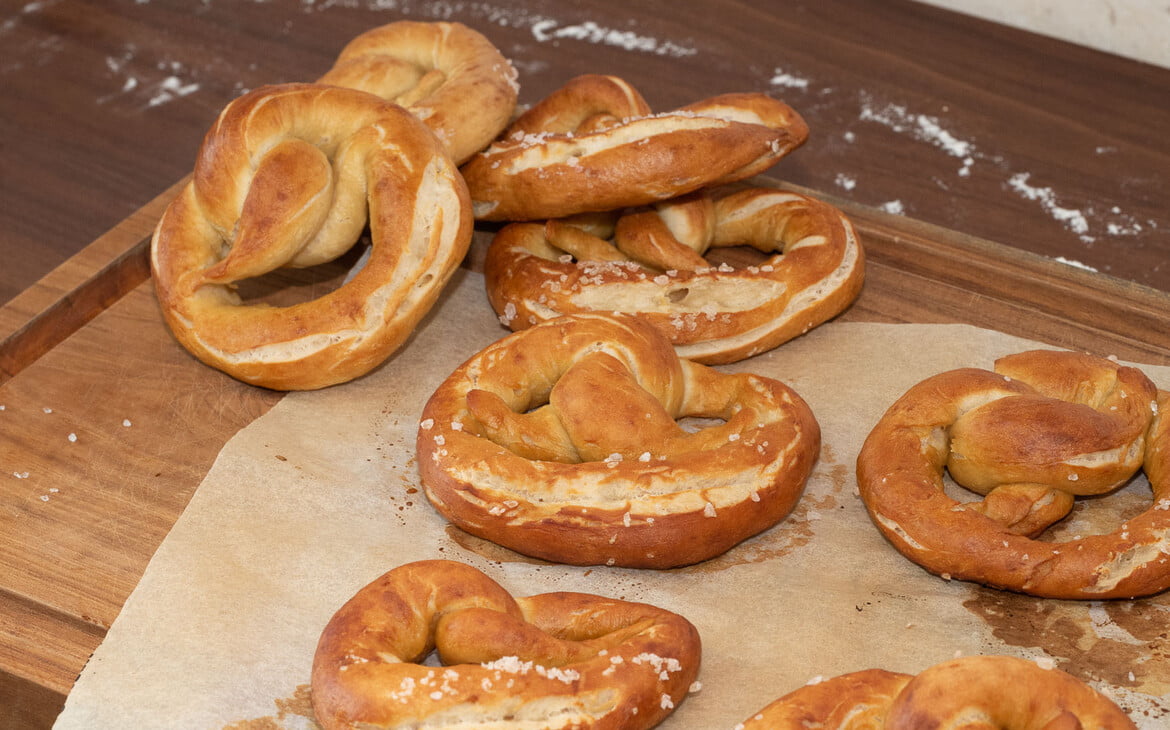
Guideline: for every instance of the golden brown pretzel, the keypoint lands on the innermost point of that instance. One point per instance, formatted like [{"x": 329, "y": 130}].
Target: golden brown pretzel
[
  {"x": 594, "y": 146},
  {"x": 549, "y": 661},
  {"x": 562, "y": 442},
  {"x": 1045, "y": 427},
  {"x": 654, "y": 267},
  {"x": 448, "y": 75},
  {"x": 973, "y": 693},
  {"x": 290, "y": 175}
]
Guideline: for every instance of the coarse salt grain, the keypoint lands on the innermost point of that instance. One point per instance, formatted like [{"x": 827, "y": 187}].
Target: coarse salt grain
[
  {"x": 427, "y": 424},
  {"x": 72, "y": 438},
  {"x": 126, "y": 422}
]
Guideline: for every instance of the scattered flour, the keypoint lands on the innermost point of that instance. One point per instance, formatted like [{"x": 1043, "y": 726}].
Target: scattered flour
[
  {"x": 893, "y": 206},
  {"x": 845, "y": 181},
  {"x": 1074, "y": 264},
  {"x": 789, "y": 81},
  {"x": 545, "y": 30},
  {"x": 1073, "y": 219}
]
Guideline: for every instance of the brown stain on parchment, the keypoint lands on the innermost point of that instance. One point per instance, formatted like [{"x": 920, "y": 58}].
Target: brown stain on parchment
[
  {"x": 793, "y": 532},
  {"x": 1130, "y": 649},
  {"x": 299, "y": 705}
]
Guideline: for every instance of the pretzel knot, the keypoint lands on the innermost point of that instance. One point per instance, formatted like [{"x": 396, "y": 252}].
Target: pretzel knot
[
  {"x": 654, "y": 267},
  {"x": 1042, "y": 429},
  {"x": 974, "y": 693},
  {"x": 594, "y": 145},
  {"x": 446, "y": 74},
  {"x": 563, "y": 442},
  {"x": 289, "y": 176},
  {"x": 554, "y": 660}
]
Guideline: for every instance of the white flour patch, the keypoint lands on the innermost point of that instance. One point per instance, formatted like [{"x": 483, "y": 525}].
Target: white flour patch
[
  {"x": 1084, "y": 221},
  {"x": 546, "y": 31},
  {"x": 893, "y": 206},
  {"x": 1075, "y": 264},
  {"x": 1072, "y": 218},
  {"x": 788, "y": 81},
  {"x": 153, "y": 91},
  {"x": 845, "y": 181},
  {"x": 921, "y": 127}
]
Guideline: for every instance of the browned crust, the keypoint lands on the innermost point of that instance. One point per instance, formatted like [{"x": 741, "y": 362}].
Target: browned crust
[
  {"x": 527, "y": 282},
  {"x": 661, "y": 504},
  {"x": 900, "y": 479},
  {"x": 420, "y": 225},
  {"x": 1003, "y": 691},
  {"x": 474, "y": 96},
  {"x": 534, "y": 172},
  {"x": 592, "y": 662}
]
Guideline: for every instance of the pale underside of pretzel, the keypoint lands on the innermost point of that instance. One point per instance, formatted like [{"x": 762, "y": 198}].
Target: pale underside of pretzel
[
  {"x": 654, "y": 267},
  {"x": 446, "y": 74},
  {"x": 1044, "y": 428},
  {"x": 563, "y": 442},
  {"x": 543, "y": 662},
  {"x": 594, "y": 145},
  {"x": 974, "y": 693},
  {"x": 291, "y": 176}
]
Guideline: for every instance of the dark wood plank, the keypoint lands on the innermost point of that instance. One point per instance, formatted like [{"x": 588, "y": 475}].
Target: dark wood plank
[{"x": 105, "y": 104}]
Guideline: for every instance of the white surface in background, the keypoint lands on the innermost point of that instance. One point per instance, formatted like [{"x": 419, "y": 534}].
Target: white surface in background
[{"x": 1137, "y": 29}]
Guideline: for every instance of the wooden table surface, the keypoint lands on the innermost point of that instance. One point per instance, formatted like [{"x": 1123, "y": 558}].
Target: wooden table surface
[{"x": 998, "y": 178}]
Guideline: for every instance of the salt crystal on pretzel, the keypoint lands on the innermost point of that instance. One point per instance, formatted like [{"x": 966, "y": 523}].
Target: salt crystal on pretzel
[
  {"x": 652, "y": 263},
  {"x": 553, "y": 661},
  {"x": 570, "y": 447},
  {"x": 594, "y": 146}
]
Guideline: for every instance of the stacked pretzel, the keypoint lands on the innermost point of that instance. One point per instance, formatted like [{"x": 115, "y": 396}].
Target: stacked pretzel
[
  {"x": 630, "y": 202},
  {"x": 292, "y": 175}
]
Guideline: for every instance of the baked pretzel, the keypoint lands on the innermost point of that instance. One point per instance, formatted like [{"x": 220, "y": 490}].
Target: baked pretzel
[
  {"x": 594, "y": 145},
  {"x": 971, "y": 692},
  {"x": 446, "y": 74},
  {"x": 562, "y": 442},
  {"x": 289, "y": 176},
  {"x": 654, "y": 267},
  {"x": 554, "y": 660},
  {"x": 1042, "y": 429}
]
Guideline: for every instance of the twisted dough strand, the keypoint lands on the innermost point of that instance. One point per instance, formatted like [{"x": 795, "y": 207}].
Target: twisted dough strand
[
  {"x": 563, "y": 442},
  {"x": 549, "y": 661},
  {"x": 1044, "y": 427},
  {"x": 974, "y": 693}
]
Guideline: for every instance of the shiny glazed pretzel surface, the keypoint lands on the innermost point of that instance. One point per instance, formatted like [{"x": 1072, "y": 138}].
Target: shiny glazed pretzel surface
[
  {"x": 594, "y": 145},
  {"x": 446, "y": 74},
  {"x": 974, "y": 693},
  {"x": 651, "y": 263},
  {"x": 1042, "y": 429},
  {"x": 290, "y": 176},
  {"x": 563, "y": 442},
  {"x": 549, "y": 661}
]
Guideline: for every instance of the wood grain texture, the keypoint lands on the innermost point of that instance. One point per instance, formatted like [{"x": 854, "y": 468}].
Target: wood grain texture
[
  {"x": 109, "y": 101},
  {"x": 79, "y": 520},
  {"x": 1028, "y": 141}
]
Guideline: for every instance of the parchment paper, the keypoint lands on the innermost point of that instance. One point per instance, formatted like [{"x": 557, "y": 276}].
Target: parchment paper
[{"x": 321, "y": 495}]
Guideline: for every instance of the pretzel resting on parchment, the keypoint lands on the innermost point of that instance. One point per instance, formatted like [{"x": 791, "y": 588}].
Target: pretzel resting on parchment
[
  {"x": 973, "y": 692},
  {"x": 563, "y": 442},
  {"x": 1042, "y": 429},
  {"x": 552, "y": 661}
]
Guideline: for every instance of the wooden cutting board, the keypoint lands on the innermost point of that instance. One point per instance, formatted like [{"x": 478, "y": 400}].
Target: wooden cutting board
[{"x": 110, "y": 426}]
